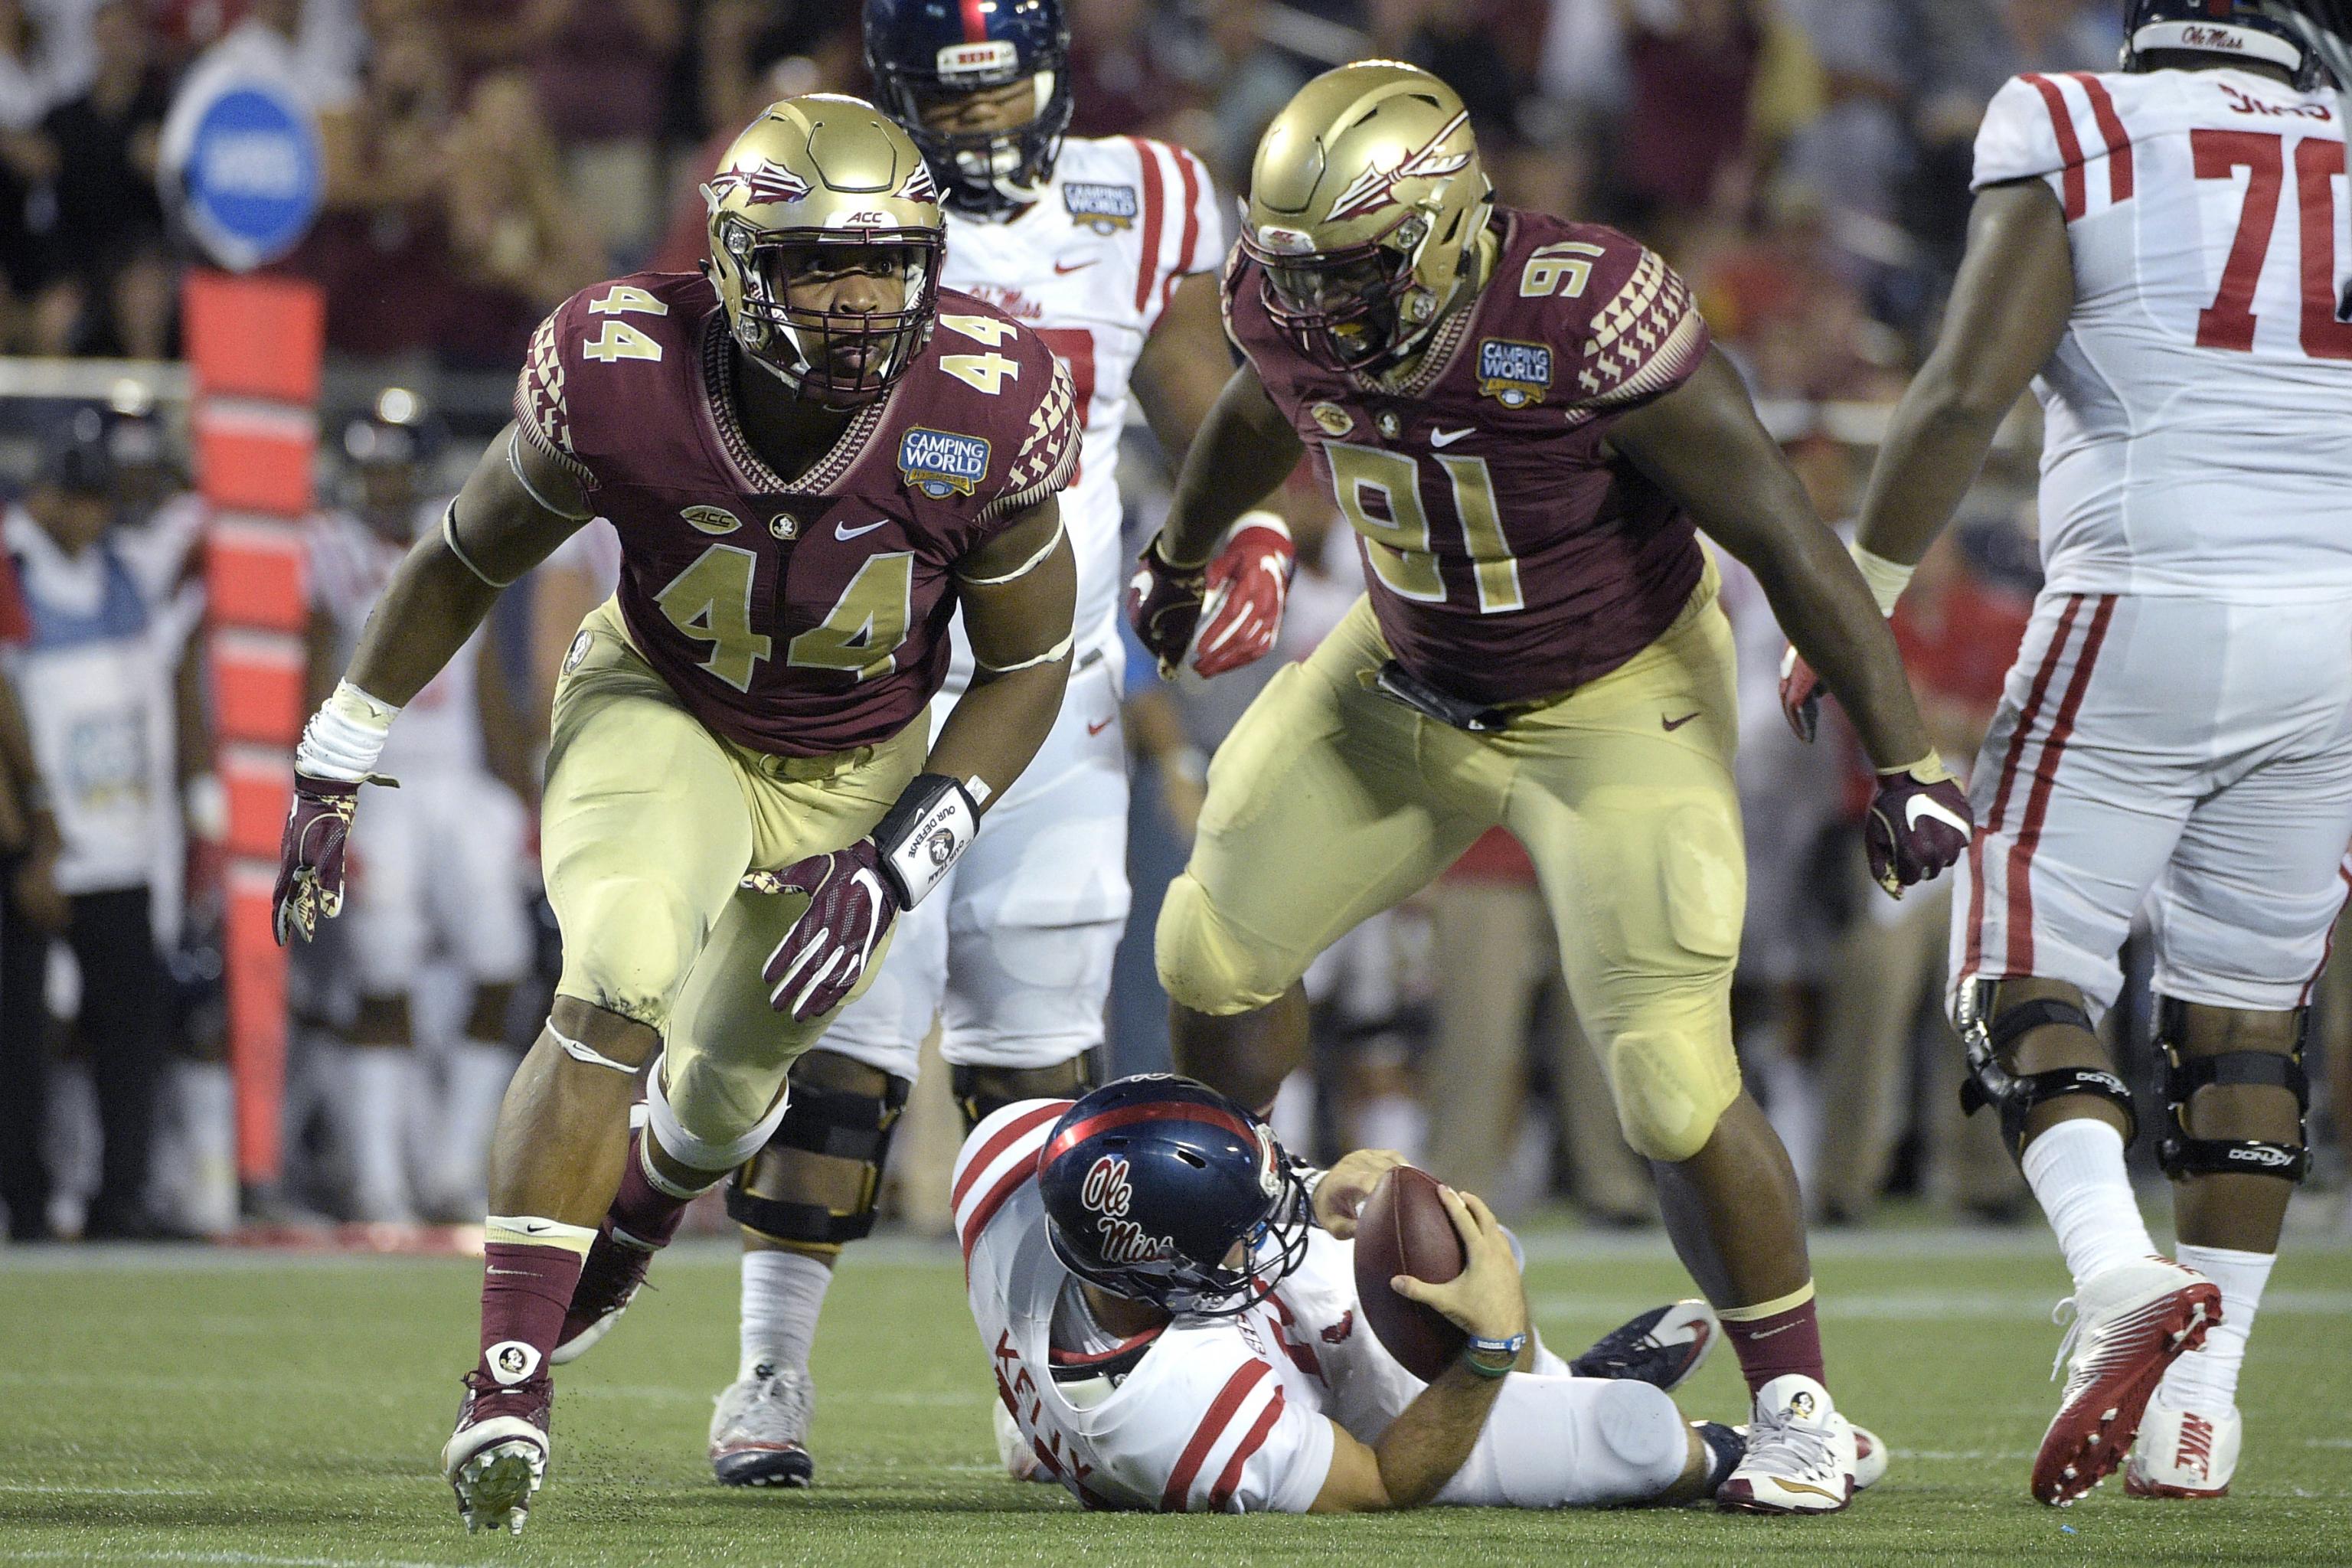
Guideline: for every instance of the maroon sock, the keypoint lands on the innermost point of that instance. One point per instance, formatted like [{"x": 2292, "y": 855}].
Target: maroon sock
[
  {"x": 525, "y": 1291},
  {"x": 641, "y": 1211},
  {"x": 1773, "y": 1347}
]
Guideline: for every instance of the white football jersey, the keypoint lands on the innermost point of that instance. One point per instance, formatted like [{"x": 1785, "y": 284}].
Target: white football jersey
[
  {"x": 2197, "y": 405},
  {"x": 1090, "y": 266},
  {"x": 440, "y": 729},
  {"x": 1222, "y": 1415}
]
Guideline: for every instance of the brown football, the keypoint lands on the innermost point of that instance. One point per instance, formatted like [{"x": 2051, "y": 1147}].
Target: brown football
[{"x": 1404, "y": 1229}]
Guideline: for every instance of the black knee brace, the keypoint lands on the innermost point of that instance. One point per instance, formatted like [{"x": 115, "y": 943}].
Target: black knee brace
[
  {"x": 2015, "y": 1095},
  {"x": 2178, "y": 1154},
  {"x": 981, "y": 1092},
  {"x": 839, "y": 1124}
]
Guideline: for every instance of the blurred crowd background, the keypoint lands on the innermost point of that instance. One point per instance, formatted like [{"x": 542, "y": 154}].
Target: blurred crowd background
[{"x": 1805, "y": 163}]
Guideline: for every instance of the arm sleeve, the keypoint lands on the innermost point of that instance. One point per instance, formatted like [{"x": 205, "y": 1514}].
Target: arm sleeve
[
  {"x": 542, "y": 411},
  {"x": 1247, "y": 1447},
  {"x": 1183, "y": 224},
  {"x": 2021, "y": 135},
  {"x": 1047, "y": 450},
  {"x": 1645, "y": 338}
]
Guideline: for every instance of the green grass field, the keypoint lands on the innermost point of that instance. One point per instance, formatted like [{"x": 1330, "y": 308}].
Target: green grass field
[{"x": 177, "y": 1407}]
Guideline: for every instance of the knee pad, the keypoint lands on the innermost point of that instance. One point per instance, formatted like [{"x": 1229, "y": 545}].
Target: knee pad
[
  {"x": 843, "y": 1113},
  {"x": 1667, "y": 1103},
  {"x": 2178, "y": 1154},
  {"x": 981, "y": 1092},
  {"x": 2014, "y": 1095},
  {"x": 1205, "y": 967},
  {"x": 694, "y": 1150}
]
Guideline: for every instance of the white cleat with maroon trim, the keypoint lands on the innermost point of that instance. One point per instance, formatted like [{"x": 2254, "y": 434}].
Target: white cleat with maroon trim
[
  {"x": 1802, "y": 1455},
  {"x": 2184, "y": 1453},
  {"x": 2131, "y": 1321}
]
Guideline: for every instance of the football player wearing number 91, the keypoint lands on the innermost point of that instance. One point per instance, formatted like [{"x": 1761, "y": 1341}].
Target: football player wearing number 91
[
  {"x": 2161, "y": 252},
  {"x": 1523, "y": 419},
  {"x": 1108, "y": 249},
  {"x": 813, "y": 456}
]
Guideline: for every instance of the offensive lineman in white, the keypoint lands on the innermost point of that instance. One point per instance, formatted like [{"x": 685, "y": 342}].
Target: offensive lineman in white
[
  {"x": 1169, "y": 1302},
  {"x": 443, "y": 868},
  {"x": 2164, "y": 251},
  {"x": 1109, "y": 247}
]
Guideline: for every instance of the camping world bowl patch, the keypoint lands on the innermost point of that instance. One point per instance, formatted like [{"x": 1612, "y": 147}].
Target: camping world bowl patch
[
  {"x": 1514, "y": 375},
  {"x": 939, "y": 463},
  {"x": 1102, "y": 208}
]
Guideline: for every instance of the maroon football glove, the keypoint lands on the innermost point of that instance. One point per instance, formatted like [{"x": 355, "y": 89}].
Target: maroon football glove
[
  {"x": 1163, "y": 604},
  {"x": 311, "y": 857},
  {"x": 1248, "y": 584},
  {"x": 1801, "y": 695},
  {"x": 1918, "y": 824},
  {"x": 852, "y": 901}
]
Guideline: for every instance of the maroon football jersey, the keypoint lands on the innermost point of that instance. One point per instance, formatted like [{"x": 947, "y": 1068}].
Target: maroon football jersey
[
  {"x": 1508, "y": 554},
  {"x": 809, "y": 616}
]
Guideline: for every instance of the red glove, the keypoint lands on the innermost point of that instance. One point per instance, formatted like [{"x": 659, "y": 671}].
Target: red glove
[
  {"x": 852, "y": 901},
  {"x": 1919, "y": 823},
  {"x": 1163, "y": 604},
  {"x": 1248, "y": 584},
  {"x": 1801, "y": 695},
  {"x": 311, "y": 857}
]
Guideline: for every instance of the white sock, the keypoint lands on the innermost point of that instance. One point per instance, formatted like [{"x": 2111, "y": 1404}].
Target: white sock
[
  {"x": 2207, "y": 1379},
  {"x": 782, "y": 1294},
  {"x": 2076, "y": 1170}
]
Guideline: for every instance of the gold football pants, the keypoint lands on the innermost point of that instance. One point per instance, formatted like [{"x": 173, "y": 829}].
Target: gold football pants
[
  {"x": 649, "y": 825},
  {"x": 1329, "y": 803}
]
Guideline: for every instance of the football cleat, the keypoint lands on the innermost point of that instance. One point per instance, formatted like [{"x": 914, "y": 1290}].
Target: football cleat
[
  {"x": 1662, "y": 1346},
  {"x": 2184, "y": 1453},
  {"x": 497, "y": 1455},
  {"x": 759, "y": 1433},
  {"x": 1800, "y": 1453},
  {"x": 609, "y": 1280},
  {"x": 2130, "y": 1322}
]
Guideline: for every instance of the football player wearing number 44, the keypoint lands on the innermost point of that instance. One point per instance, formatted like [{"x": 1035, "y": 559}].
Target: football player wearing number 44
[
  {"x": 1523, "y": 420},
  {"x": 2163, "y": 248},
  {"x": 813, "y": 455}
]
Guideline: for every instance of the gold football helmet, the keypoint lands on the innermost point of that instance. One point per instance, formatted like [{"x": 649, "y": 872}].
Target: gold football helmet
[
  {"x": 1366, "y": 204},
  {"x": 817, "y": 175}
]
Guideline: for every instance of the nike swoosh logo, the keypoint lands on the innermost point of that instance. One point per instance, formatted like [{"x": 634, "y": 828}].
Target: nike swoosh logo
[
  {"x": 1447, "y": 438},
  {"x": 530, "y": 1229},
  {"x": 1768, "y": 1333},
  {"x": 1673, "y": 725},
  {"x": 843, "y": 530},
  {"x": 1067, "y": 267},
  {"x": 1921, "y": 805},
  {"x": 1098, "y": 728}
]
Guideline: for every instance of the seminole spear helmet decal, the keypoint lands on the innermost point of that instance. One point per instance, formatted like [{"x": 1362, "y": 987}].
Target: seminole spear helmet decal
[{"x": 1366, "y": 204}]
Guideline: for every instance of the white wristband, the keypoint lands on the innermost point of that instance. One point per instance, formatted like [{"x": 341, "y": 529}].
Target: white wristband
[
  {"x": 922, "y": 837},
  {"x": 345, "y": 736},
  {"x": 1887, "y": 579},
  {"x": 1258, "y": 518}
]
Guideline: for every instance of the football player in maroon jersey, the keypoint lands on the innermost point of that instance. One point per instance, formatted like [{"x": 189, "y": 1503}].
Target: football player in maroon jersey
[
  {"x": 813, "y": 455},
  {"x": 1524, "y": 421}
]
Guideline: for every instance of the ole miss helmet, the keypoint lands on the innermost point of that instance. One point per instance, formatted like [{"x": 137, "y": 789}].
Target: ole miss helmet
[
  {"x": 930, "y": 51},
  {"x": 2273, "y": 32},
  {"x": 1160, "y": 1189}
]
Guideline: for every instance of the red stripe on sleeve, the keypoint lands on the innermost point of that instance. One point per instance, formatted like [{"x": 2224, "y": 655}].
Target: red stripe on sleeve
[
  {"x": 2111, "y": 126},
  {"x": 1205, "y": 1437},
  {"x": 1146, "y": 277},
  {"x": 1231, "y": 1476},
  {"x": 1006, "y": 1136},
  {"x": 1021, "y": 1173},
  {"x": 2037, "y": 804},
  {"x": 2018, "y": 739},
  {"x": 1189, "y": 167},
  {"x": 2069, "y": 146}
]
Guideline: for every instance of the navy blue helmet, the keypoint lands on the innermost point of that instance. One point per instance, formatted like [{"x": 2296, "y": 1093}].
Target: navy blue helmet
[
  {"x": 2246, "y": 30},
  {"x": 927, "y": 51},
  {"x": 1151, "y": 1182}
]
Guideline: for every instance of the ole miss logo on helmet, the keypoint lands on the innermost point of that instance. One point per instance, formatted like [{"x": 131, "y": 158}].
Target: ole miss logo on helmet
[{"x": 1108, "y": 1194}]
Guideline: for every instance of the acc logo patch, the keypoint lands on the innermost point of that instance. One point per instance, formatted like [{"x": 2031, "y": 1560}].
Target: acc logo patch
[
  {"x": 940, "y": 463},
  {"x": 1513, "y": 374},
  {"x": 1103, "y": 208},
  {"x": 711, "y": 519},
  {"x": 1331, "y": 419}
]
